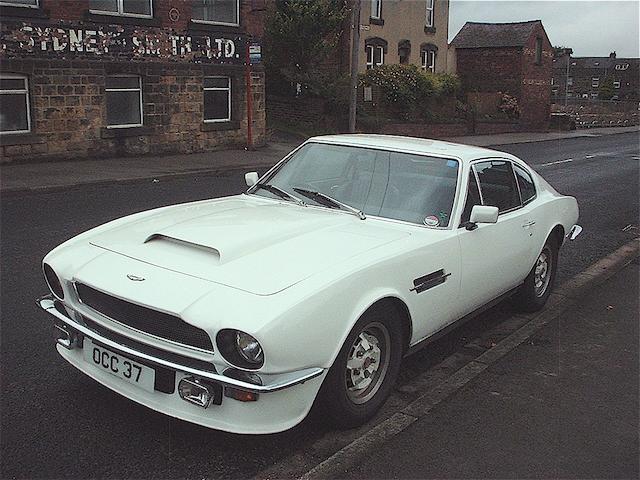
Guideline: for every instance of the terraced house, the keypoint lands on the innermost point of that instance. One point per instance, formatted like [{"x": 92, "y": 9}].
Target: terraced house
[
  {"x": 601, "y": 78},
  {"x": 404, "y": 31},
  {"x": 84, "y": 78}
]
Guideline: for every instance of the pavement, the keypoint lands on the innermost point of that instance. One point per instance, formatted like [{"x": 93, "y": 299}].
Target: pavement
[
  {"x": 562, "y": 404},
  {"x": 60, "y": 175}
]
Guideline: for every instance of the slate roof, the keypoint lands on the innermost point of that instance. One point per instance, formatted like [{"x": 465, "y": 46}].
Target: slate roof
[
  {"x": 593, "y": 62},
  {"x": 493, "y": 35}
]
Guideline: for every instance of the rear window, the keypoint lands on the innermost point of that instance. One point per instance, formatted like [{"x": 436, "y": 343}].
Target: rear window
[
  {"x": 525, "y": 182},
  {"x": 498, "y": 184}
]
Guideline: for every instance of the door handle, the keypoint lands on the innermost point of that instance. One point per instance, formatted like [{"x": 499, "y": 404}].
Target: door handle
[{"x": 528, "y": 224}]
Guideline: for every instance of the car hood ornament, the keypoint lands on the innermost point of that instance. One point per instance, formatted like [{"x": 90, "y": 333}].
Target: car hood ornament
[{"x": 135, "y": 278}]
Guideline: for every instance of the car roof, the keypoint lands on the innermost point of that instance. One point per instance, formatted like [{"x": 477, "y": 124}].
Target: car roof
[{"x": 426, "y": 146}]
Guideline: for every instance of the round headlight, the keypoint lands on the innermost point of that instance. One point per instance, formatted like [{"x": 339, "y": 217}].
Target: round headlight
[
  {"x": 249, "y": 347},
  {"x": 53, "y": 281},
  {"x": 240, "y": 349}
]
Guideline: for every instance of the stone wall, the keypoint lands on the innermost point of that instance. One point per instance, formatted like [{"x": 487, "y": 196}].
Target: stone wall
[{"x": 66, "y": 53}]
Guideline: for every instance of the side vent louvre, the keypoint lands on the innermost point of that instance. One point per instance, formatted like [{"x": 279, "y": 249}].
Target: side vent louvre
[{"x": 429, "y": 281}]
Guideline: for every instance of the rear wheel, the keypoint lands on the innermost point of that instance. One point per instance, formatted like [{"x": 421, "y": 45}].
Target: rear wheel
[
  {"x": 365, "y": 370},
  {"x": 535, "y": 291}
]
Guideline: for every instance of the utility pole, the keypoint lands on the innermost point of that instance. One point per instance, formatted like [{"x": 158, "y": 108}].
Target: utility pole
[
  {"x": 567, "y": 52},
  {"x": 355, "y": 48}
]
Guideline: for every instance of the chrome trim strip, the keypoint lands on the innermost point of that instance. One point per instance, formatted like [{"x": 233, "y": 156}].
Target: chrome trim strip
[{"x": 272, "y": 384}]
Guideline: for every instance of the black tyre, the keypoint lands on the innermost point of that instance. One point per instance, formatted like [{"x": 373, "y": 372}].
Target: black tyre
[
  {"x": 537, "y": 287},
  {"x": 365, "y": 370}
]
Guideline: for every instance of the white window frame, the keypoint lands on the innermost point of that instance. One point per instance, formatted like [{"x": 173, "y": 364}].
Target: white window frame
[
  {"x": 429, "y": 18},
  {"x": 20, "y": 5},
  {"x": 595, "y": 82},
  {"x": 24, "y": 91},
  {"x": 376, "y": 9},
  {"x": 139, "y": 89},
  {"x": 213, "y": 22},
  {"x": 371, "y": 60},
  {"x": 122, "y": 13},
  {"x": 616, "y": 84},
  {"x": 219, "y": 89},
  {"x": 426, "y": 55}
]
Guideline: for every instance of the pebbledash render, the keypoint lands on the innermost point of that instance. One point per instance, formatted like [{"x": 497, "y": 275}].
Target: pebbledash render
[{"x": 96, "y": 78}]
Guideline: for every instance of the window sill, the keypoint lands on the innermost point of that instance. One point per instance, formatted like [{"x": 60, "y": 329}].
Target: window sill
[
  {"x": 22, "y": 12},
  {"x": 429, "y": 29},
  {"x": 376, "y": 21},
  {"x": 219, "y": 126},
  {"x": 195, "y": 27},
  {"x": 20, "y": 139},
  {"x": 124, "y": 132},
  {"x": 121, "y": 19}
]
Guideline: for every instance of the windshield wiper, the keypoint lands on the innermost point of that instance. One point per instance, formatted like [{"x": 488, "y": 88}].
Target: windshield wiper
[
  {"x": 327, "y": 201},
  {"x": 279, "y": 192}
]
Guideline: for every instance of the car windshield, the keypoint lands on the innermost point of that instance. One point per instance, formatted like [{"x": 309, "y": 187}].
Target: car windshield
[{"x": 409, "y": 187}]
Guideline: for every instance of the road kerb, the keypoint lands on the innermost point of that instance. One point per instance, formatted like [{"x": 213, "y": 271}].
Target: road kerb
[{"x": 598, "y": 272}]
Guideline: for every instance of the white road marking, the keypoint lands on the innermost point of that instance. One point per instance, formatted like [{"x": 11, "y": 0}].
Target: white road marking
[{"x": 555, "y": 163}]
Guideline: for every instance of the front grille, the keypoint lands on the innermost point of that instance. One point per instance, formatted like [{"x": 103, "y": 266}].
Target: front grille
[
  {"x": 162, "y": 325},
  {"x": 148, "y": 349}
]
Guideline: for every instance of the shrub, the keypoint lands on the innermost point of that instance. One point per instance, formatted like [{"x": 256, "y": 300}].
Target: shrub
[
  {"x": 408, "y": 87},
  {"x": 509, "y": 106}
]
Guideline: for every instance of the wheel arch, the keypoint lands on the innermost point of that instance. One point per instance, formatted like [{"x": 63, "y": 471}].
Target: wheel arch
[
  {"x": 402, "y": 314},
  {"x": 557, "y": 233}
]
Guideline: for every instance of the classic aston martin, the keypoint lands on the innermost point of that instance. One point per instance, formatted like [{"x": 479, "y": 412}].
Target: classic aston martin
[{"x": 240, "y": 313}]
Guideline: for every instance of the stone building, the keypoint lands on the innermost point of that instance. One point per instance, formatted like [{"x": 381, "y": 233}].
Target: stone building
[
  {"x": 585, "y": 77},
  {"x": 94, "y": 78},
  {"x": 407, "y": 32},
  {"x": 512, "y": 58}
]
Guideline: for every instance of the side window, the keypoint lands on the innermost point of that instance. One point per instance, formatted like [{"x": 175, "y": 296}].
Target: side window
[
  {"x": 498, "y": 184},
  {"x": 473, "y": 198},
  {"x": 525, "y": 182}
]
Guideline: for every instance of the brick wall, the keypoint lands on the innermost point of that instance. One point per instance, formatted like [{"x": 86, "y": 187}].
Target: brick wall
[
  {"x": 490, "y": 70},
  {"x": 535, "y": 98}
]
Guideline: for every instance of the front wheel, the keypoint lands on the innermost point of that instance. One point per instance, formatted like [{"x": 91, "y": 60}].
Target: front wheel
[
  {"x": 535, "y": 290},
  {"x": 365, "y": 370}
]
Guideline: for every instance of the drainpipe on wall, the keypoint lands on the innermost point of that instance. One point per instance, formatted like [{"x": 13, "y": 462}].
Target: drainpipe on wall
[{"x": 249, "y": 93}]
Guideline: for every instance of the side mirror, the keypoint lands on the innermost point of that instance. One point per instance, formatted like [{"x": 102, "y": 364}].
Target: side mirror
[
  {"x": 251, "y": 178},
  {"x": 484, "y": 214}
]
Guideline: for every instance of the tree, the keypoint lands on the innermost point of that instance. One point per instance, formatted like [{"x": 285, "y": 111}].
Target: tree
[
  {"x": 300, "y": 35},
  {"x": 606, "y": 90},
  {"x": 560, "y": 51}
]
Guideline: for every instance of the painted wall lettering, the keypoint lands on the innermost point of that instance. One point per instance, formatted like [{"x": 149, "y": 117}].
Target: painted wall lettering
[{"x": 28, "y": 40}]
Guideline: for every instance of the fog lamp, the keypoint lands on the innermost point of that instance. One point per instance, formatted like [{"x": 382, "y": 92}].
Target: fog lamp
[{"x": 194, "y": 390}]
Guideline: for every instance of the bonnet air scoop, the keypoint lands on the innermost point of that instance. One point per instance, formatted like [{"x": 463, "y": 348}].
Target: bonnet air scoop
[{"x": 181, "y": 242}]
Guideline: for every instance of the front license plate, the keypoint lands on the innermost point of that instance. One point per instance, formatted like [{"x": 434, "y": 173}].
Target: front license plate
[{"x": 122, "y": 367}]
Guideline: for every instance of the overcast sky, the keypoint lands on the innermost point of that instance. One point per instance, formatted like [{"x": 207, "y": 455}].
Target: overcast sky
[{"x": 591, "y": 28}]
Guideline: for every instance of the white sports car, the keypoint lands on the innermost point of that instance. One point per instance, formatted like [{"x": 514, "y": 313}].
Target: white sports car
[{"x": 353, "y": 251}]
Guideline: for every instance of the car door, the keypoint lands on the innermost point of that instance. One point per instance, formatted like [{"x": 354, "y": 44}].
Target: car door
[{"x": 494, "y": 257}]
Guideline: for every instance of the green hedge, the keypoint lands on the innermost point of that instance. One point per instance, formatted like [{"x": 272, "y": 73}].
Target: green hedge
[{"x": 407, "y": 86}]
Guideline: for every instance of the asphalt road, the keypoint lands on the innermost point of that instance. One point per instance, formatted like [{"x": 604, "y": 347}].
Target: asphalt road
[{"x": 57, "y": 423}]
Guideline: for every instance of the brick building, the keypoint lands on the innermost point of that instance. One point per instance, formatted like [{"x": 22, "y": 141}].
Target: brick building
[
  {"x": 584, "y": 77},
  {"x": 512, "y": 58},
  {"x": 93, "y": 78}
]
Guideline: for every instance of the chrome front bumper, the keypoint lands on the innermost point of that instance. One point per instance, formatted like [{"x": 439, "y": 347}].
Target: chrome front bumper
[{"x": 270, "y": 382}]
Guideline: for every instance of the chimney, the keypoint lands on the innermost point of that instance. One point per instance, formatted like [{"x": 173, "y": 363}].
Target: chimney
[{"x": 612, "y": 54}]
